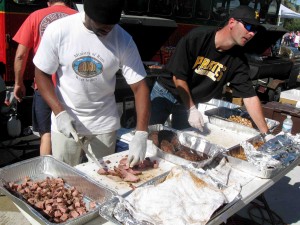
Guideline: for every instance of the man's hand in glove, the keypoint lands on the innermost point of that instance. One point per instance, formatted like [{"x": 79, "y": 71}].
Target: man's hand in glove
[
  {"x": 64, "y": 123},
  {"x": 137, "y": 148},
  {"x": 195, "y": 118}
]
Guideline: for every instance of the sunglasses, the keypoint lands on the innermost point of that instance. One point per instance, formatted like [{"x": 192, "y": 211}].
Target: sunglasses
[{"x": 249, "y": 27}]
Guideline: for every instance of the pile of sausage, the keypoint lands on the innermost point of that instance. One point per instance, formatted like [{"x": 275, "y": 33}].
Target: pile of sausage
[{"x": 56, "y": 202}]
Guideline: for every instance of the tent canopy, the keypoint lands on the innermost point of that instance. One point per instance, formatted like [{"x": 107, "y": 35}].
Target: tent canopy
[{"x": 285, "y": 12}]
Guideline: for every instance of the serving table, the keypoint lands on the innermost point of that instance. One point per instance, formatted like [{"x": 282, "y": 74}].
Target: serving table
[{"x": 250, "y": 191}]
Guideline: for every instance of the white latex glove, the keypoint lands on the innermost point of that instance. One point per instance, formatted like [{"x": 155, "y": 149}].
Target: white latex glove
[
  {"x": 137, "y": 148},
  {"x": 269, "y": 137},
  {"x": 64, "y": 123},
  {"x": 195, "y": 118}
]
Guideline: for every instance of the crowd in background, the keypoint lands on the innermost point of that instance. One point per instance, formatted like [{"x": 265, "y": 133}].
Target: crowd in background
[{"x": 291, "y": 39}]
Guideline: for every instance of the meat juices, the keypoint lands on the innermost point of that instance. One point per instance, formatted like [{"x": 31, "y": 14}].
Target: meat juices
[{"x": 168, "y": 141}]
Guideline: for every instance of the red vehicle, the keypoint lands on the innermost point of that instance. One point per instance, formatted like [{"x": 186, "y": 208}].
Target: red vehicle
[
  {"x": 187, "y": 14},
  {"x": 156, "y": 26},
  {"x": 12, "y": 15}
]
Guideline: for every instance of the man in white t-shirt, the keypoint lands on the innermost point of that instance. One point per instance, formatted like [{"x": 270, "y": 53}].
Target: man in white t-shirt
[{"x": 86, "y": 50}]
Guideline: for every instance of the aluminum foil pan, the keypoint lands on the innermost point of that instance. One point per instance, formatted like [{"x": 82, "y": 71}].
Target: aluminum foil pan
[
  {"x": 219, "y": 116},
  {"x": 198, "y": 144},
  {"x": 278, "y": 152},
  {"x": 115, "y": 211},
  {"x": 265, "y": 160},
  {"x": 40, "y": 168},
  {"x": 213, "y": 103}
]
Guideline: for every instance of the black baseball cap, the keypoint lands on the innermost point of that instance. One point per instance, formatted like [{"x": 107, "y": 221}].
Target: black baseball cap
[
  {"x": 246, "y": 14},
  {"x": 104, "y": 11}
]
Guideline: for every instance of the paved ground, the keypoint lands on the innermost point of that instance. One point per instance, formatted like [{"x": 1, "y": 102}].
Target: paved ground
[{"x": 283, "y": 198}]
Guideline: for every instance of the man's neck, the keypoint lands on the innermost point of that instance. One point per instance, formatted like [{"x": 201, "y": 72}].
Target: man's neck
[
  {"x": 223, "y": 40},
  {"x": 57, "y": 3}
]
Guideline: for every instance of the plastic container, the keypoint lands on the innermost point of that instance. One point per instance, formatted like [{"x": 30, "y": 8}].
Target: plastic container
[
  {"x": 278, "y": 111},
  {"x": 287, "y": 124}
]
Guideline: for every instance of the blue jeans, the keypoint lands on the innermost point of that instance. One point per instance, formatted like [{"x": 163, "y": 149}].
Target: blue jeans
[{"x": 163, "y": 103}]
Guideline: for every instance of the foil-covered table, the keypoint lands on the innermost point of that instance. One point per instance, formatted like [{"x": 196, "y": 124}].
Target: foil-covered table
[{"x": 120, "y": 211}]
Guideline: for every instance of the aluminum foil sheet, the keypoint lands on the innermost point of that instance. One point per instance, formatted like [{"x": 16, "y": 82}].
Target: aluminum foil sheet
[
  {"x": 278, "y": 152},
  {"x": 224, "y": 137},
  {"x": 268, "y": 159},
  {"x": 116, "y": 210},
  {"x": 196, "y": 143},
  {"x": 219, "y": 116},
  {"x": 40, "y": 168}
]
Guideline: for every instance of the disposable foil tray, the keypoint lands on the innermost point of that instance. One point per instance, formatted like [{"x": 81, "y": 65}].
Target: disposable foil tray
[
  {"x": 109, "y": 208},
  {"x": 198, "y": 144},
  {"x": 219, "y": 116},
  {"x": 288, "y": 152},
  {"x": 40, "y": 168},
  {"x": 249, "y": 168}
]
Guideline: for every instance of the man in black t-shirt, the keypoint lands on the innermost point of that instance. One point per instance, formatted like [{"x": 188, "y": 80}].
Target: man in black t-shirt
[{"x": 203, "y": 62}]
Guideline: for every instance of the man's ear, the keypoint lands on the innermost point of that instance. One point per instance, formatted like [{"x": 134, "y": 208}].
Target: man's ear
[{"x": 231, "y": 22}]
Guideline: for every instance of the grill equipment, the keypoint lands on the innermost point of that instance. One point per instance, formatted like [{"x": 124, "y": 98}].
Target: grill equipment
[{"x": 273, "y": 71}]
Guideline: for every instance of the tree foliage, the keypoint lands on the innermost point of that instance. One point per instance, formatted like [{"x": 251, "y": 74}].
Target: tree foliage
[{"x": 291, "y": 24}]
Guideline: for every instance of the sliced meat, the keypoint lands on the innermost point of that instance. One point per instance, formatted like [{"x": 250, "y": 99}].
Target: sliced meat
[
  {"x": 103, "y": 171},
  {"x": 126, "y": 176}
]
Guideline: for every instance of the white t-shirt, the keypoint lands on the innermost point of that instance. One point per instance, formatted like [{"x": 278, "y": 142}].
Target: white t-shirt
[
  {"x": 86, "y": 67},
  {"x": 297, "y": 39}
]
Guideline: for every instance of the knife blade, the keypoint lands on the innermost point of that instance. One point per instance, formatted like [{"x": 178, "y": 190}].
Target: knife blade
[{"x": 84, "y": 145}]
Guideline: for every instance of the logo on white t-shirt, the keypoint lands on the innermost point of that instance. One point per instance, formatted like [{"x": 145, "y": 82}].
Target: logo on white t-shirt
[{"x": 87, "y": 67}]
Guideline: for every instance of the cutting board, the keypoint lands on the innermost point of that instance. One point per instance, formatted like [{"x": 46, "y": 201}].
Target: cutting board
[{"x": 115, "y": 183}]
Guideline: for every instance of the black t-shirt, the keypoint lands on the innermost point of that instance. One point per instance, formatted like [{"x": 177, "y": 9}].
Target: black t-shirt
[{"x": 206, "y": 70}]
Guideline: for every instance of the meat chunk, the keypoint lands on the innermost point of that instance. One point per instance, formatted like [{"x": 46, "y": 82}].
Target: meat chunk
[
  {"x": 52, "y": 198},
  {"x": 129, "y": 174},
  {"x": 168, "y": 141},
  {"x": 153, "y": 136},
  {"x": 126, "y": 176}
]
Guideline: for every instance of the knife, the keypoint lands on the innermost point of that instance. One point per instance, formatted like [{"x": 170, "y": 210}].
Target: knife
[{"x": 84, "y": 145}]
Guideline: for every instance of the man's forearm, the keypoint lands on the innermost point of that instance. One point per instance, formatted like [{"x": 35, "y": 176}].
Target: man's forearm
[
  {"x": 20, "y": 63},
  {"x": 184, "y": 92},
  {"x": 142, "y": 104},
  {"x": 254, "y": 109}
]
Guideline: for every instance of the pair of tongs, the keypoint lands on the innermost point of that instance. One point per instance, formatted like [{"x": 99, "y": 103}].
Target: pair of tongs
[{"x": 84, "y": 145}]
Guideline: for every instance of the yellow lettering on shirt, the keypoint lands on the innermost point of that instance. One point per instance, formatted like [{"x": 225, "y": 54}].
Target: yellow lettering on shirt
[
  {"x": 206, "y": 67},
  {"x": 199, "y": 60}
]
